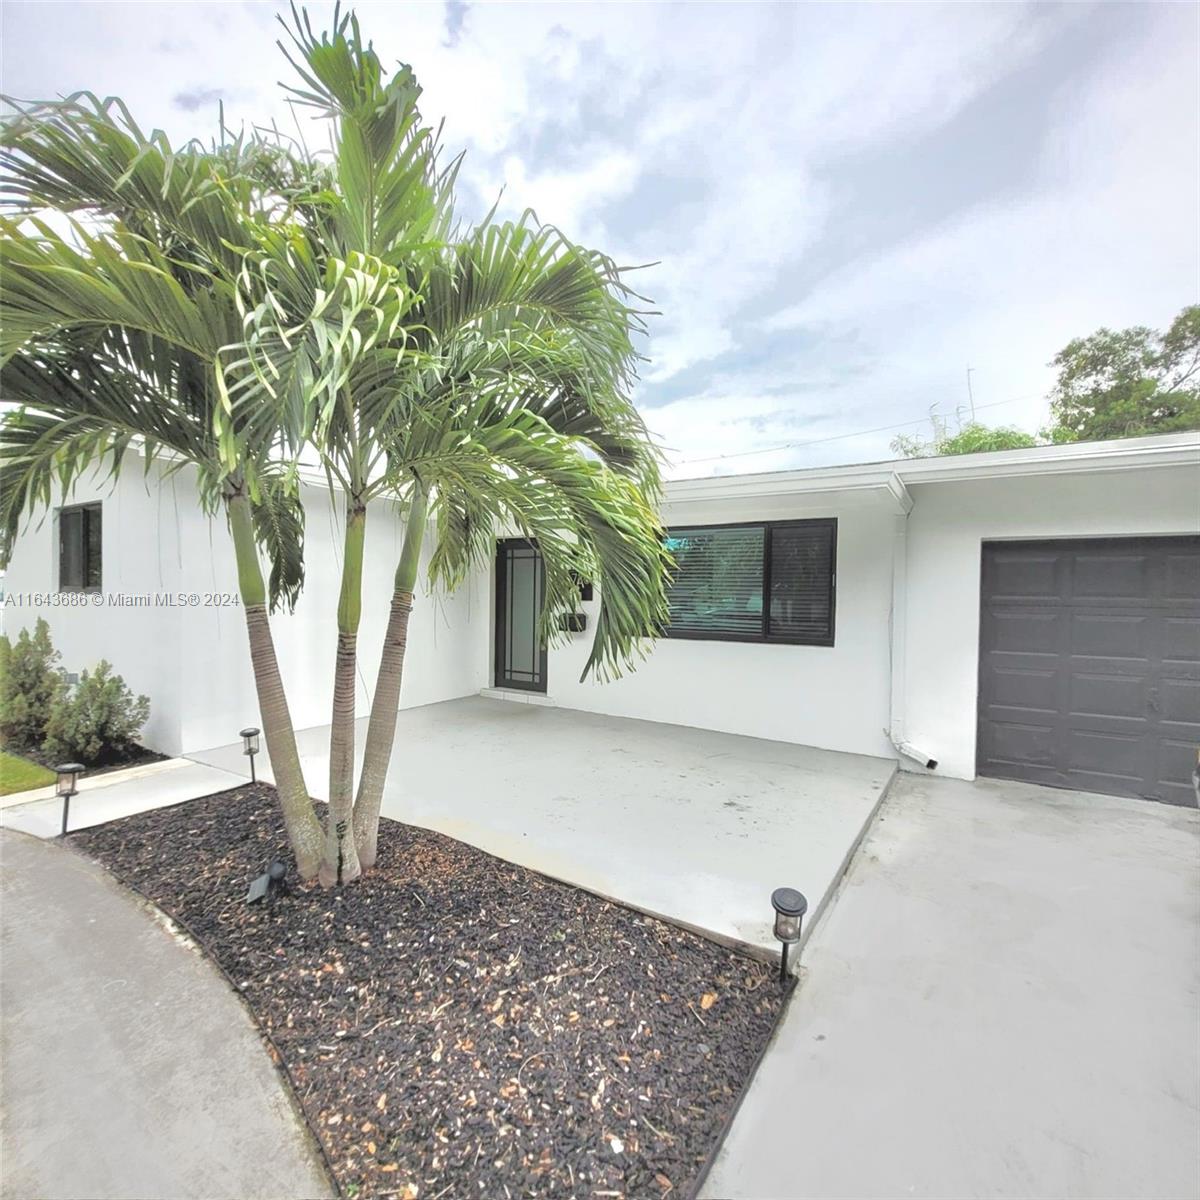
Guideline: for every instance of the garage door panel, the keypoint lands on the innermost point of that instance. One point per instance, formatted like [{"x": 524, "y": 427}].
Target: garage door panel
[
  {"x": 1028, "y": 689},
  {"x": 1024, "y": 575},
  {"x": 1181, "y": 639},
  {"x": 1023, "y": 743},
  {"x": 1111, "y": 635},
  {"x": 1111, "y": 578},
  {"x": 1106, "y": 695},
  {"x": 1182, "y": 577},
  {"x": 1179, "y": 702},
  {"x": 1097, "y": 685},
  {"x": 1112, "y": 754},
  {"x": 1016, "y": 632},
  {"x": 1176, "y": 758}
]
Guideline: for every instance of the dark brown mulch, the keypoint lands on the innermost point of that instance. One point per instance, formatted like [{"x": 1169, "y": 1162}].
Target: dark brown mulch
[
  {"x": 457, "y": 1026},
  {"x": 132, "y": 755}
]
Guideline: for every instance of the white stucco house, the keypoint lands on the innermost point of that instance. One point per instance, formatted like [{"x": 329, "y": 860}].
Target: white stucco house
[{"x": 1032, "y": 614}]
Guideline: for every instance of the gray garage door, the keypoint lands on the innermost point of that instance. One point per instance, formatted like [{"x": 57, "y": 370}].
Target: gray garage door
[{"x": 1089, "y": 671}]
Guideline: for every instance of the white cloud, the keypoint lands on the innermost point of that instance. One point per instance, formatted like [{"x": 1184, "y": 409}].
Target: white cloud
[
  {"x": 719, "y": 140},
  {"x": 1107, "y": 237}
]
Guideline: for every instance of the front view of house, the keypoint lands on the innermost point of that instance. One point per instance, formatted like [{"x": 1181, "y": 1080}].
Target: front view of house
[{"x": 1027, "y": 614}]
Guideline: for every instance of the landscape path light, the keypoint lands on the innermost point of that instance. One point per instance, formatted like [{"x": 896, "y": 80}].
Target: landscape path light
[
  {"x": 250, "y": 747},
  {"x": 68, "y": 778},
  {"x": 790, "y": 907}
]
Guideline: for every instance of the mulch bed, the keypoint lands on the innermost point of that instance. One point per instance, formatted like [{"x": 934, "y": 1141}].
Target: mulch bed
[
  {"x": 133, "y": 755},
  {"x": 457, "y": 1026}
]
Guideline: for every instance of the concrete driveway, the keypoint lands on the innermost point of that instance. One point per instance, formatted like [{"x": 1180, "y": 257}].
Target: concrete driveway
[
  {"x": 1003, "y": 1000},
  {"x": 130, "y": 1068},
  {"x": 697, "y": 826}
]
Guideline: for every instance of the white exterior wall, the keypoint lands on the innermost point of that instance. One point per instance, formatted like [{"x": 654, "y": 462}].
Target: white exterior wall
[
  {"x": 439, "y": 663},
  {"x": 194, "y": 663},
  {"x": 841, "y": 697},
  {"x": 946, "y": 530},
  {"x": 834, "y": 697},
  {"x": 140, "y": 552}
]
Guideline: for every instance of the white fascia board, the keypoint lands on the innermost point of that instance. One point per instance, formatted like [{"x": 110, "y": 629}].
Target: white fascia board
[
  {"x": 845, "y": 483},
  {"x": 893, "y": 478},
  {"x": 1120, "y": 455},
  {"x": 782, "y": 483}
]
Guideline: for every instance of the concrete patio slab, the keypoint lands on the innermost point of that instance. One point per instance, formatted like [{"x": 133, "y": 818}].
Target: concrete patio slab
[
  {"x": 120, "y": 794},
  {"x": 1002, "y": 1001},
  {"x": 693, "y": 825},
  {"x": 130, "y": 1068}
]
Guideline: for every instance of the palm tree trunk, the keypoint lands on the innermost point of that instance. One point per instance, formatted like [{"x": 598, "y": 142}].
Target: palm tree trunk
[
  {"x": 341, "y": 864},
  {"x": 299, "y": 817},
  {"x": 381, "y": 731}
]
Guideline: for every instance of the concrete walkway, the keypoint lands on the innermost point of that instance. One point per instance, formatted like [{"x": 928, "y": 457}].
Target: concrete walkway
[
  {"x": 106, "y": 797},
  {"x": 1003, "y": 1000},
  {"x": 129, "y": 1068},
  {"x": 697, "y": 826}
]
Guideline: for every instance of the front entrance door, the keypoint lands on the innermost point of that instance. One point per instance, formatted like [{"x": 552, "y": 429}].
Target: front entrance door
[{"x": 520, "y": 592}]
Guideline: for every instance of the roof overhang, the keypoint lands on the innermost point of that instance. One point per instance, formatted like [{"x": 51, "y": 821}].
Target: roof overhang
[
  {"x": 849, "y": 483},
  {"x": 890, "y": 481}
]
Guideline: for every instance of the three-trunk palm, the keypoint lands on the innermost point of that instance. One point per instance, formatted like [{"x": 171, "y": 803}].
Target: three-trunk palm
[{"x": 482, "y": 379}]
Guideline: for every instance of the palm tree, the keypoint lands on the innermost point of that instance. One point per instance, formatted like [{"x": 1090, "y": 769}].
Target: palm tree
[
  {"x": 253, "y": 301},
  {"x": 114, "y": 336},
  {"x": 479, "y": 379}
]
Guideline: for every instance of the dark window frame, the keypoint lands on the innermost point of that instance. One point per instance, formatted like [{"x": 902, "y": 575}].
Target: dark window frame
[
  {"x": 764, "y": 637},
  {"x": 90, "y": 507}
]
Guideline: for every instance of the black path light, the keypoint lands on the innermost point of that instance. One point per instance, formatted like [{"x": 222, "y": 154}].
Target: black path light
[
  {"x": 790, "y": 907},
  {"x": 68, "y": 777},
  {"x": 250, "y": 747}
]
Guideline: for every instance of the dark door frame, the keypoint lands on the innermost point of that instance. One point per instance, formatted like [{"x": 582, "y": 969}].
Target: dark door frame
[{"x": 499, "y": 675}]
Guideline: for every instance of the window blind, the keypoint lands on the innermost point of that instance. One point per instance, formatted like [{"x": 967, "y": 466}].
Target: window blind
[
  {"x": 718, "y": 582},
  {"x": 801, "y": 571},
  {"x": 771, "y": 581}
]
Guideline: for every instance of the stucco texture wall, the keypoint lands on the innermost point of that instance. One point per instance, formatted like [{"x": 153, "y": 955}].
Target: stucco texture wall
[
  {"x": 140, "y": 553},
  {"x": 833, "y": 697},
  {"x": 193, "y": 662},
  {"x": 441, "y": 662},
  {"x": 946, "y": 530}
]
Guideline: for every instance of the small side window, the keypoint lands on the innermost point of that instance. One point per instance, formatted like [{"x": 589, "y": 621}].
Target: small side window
[{"x": 79, "y": 542}]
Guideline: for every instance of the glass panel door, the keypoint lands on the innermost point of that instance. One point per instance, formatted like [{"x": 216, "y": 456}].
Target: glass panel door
[{"x": 520, "y": 592}]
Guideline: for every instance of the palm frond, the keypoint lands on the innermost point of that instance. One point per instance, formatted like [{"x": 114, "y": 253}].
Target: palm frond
[
  {"x": 278, "y": 516},
  {"x": 587, "y": 519},
  {"x": 99, "y": 281},
  {"x": 392, "y": 198}
]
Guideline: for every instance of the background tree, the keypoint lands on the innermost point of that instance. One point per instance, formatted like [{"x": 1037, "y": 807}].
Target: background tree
[
  {"x": 972, "y": 438},
  {"x": 1128, "y": 382},
  {"x": 29, "y": 675}
]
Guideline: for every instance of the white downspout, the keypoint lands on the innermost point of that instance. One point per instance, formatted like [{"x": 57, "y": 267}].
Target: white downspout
[{"x": 898, "y": 632}]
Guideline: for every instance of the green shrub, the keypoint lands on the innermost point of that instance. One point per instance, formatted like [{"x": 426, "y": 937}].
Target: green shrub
[
  {"x": 97, "y": 720},
  {"x": 29, "y": 679}
]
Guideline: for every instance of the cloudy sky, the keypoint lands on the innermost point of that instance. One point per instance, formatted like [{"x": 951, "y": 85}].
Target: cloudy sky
[{"x": 848, "y": 205}]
